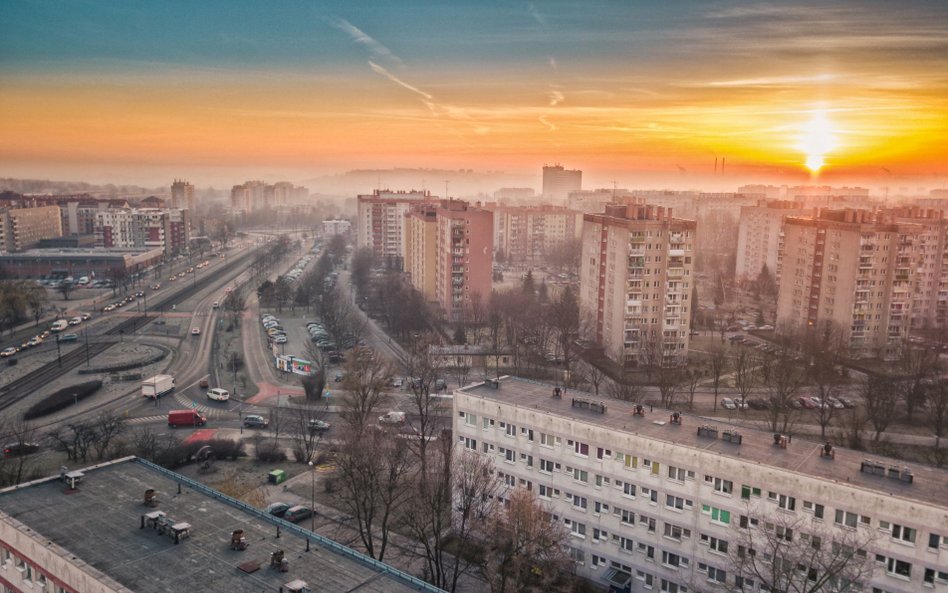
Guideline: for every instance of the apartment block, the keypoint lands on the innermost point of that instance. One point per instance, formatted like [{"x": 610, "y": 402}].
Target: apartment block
[
  {"x": 336, "y": 227},
  {"x": 182, "y": 195},
  {"x": 421, "y": 249},
  {"x": 130, "y": 525},
  {"x": 23, "y": 228},
  {"x": 168, "y": 229},
  {"x": 381, "y": 222},
  {"x": 636, "y": 282},
  {"x": 654, "y": 502},
  {"x": 854, "y": 269},
  {"x": 760, "y": 236},
  {"x": 527, "y": 233},
  {"x": 930, "y": 290},
  {"x": 558, "y": 182},
  {"x": 464, "y": 256}
]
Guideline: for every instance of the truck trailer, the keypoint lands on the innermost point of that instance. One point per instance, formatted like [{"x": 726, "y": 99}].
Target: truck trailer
[{"x": 157, "y": 386}]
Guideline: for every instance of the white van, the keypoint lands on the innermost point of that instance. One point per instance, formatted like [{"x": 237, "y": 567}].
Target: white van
[
  {"x": 59, "y": 325},
  {"x": 217, "y": 394}
]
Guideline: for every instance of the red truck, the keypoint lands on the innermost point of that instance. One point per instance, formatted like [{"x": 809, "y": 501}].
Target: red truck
[{"x": 186, "y": 418}]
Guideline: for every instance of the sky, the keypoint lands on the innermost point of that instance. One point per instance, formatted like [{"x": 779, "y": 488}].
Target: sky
[{"x": 218, "y": 92}]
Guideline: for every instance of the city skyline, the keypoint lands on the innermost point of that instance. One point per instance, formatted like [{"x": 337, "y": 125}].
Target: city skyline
[{"x": 215, "y": 92}]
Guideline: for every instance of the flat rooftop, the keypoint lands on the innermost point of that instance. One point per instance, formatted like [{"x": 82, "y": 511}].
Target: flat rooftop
[
  {"x": 801, "y": 455},
  {"x": 100, "y": 525}
]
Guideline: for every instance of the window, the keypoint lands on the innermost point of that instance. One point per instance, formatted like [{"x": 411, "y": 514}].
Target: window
[
  {"x": 509, "y": 455},
  {"x": 626, "y": 544},
  {"x": 648, "y": 580},
  {"x": 470, "y": 419},
  {"x": 601, "y": 507},
  {"x": 676, "y": 473},
  {"x": 580, "y": 502},
  {"x": 600, "y": 535},
  {"x": 905, "y": 534},
  {"x": 578, "y": 556},
  {"x": 544, "y": 491},
  {"x": 932, "y": 576},
  {"x": 629, "y": 461},
  {"x": 648, "y": 550},
  {"x": 577, "y": 529},
  {"x": 547, "y": 440},
  {"x": 723, "y": 486},
  {"x": 470, "y": 444},
  {"x": 748, "y": 491},
  {"x": 528, "y": 432},
  {"x": 510, "y": 430},
  {"x": 846, "y": 518},
  {"x": 896, "y": 567},
  {"x": 718, "y": 516},
  {"x": 816, "y": 509},
  {"x": 628, "y": 489},
  {"x": 581, "y": 449},
  {"x": 598, "y": 561},
  {"x": 486, "y": 423},
  {"x": 672, "y": 587},
  {"x": 627, "y": 517},
  {"x": 716, "y": 575},
  {"x": 676, "y": 532},
  {"x": 935, "y": 540},
  {"x": 715, "y": 544},
  {"x": 546, "y": 465},
  {"x": 674, "y": 560},
  {"x": 674, "y": 502},
  {"x": 580, "y": 475},
  {"x": 603, "y": 453},
  {"x": 648, "y": 522}
]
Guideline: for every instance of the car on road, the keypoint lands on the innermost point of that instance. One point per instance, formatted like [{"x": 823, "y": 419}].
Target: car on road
[
  {"x": 255, "y": 421},
  {"x": 204, "y": 384},
  {"x": 298, "y": 513},
  {"x": 392, "y": 418},
  {"x": 728, "y": 404},
  {"x": 398, "y": 382},
  {"x": 68, "y": 338},
  {"x": 75, "y": 321},
  {"x": 216, "y": 305},
  {"x": 279, "y": 339},
  {"x": 18, "y": 449},
  {"x": 217, "y": 394},
  {"x": 818, "y": 403},
  {"x": 195, "y": 331},
  {"x": 108, "y": 308},
  {"x": 86, "y": 316},
  {"x": 35, "y": 341},
  {"x": 155, "y": 286},
  {"x": 278, "y": 509},
  {"x": 140, "y": 294},
  {"x": 8, "y": 352},
  {"x": 317, "y": 425}
]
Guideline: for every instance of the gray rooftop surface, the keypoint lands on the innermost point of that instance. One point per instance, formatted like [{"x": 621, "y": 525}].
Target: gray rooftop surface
[
  {"x": 801, "y": 455},
  {"x": 100, "y": 524}
]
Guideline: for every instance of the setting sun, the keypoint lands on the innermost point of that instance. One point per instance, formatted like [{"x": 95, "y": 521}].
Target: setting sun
[{"x": 817, "y": 140}]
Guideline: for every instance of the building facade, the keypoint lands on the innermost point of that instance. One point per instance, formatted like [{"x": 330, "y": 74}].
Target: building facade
[
  {"x": 23, "y": 228},
  {"x": 381, "y": 222},
  {"x": 652, "y": 504},
  {"x": 527, "y": 233},
  {"x": 760, "y": 236},
  {"x": 182, "y": 195},
  {"x": 558, "y": 182},
  {"x": 167, "y": 229},
  {"x": 854, "y": 270},
  {"x": 463, "y": 258},
  {"x": 421, "y": 250},
  {"x": 636, "y": 283},
  {"x": 336, "y": 227}
]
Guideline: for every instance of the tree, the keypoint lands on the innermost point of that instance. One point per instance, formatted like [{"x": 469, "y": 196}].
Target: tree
[
  {"x": 36, "y": 299},
  {"x": 692, "y": 381},
  {"x": 565, "y": 321},
  {"x": 794, "y": 553},
  {"x": 669, "y": 380},
  {"x": 423, "y": 374},
  {"x": 918, "y": 366},
  {"x": 336, "y": 248},
  {"x": 593, "y": 375},
  {"x": 529, "y": 286},
  {"x": 234, "y": 305},
  {"x": 14, "y": 470},
  {"x": 459, "y": 336},
  {"x": 367, "y": 376},
  {"x": 717, "y": 364},
  {"x": 880, "y": 397},
  {"x": 525, "y": 549},
  {"x": 743, "y": 373},
  {"x": 627, "y": 392},
  {"x": 65, "y": 288},
  {"x": 305, "y": 433},
  {"x": 937, "y": 416},
  {"x": 372, "y": 469},
  {"x": 363, "y": 260},
  {"x": 783, "y": 379}
]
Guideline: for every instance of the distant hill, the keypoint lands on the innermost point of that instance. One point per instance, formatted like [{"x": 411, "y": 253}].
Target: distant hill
[{"x": 45, "y": 186}]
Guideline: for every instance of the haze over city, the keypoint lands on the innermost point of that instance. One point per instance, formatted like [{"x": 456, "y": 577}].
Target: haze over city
[{"x": 646, "y": 94}]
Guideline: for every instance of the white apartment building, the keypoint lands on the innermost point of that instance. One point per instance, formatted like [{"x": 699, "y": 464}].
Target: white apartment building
[
  {"x": 381, "y": 221},
  {"x": 527, "y": 233},
  {"x": 657, "y": 506},
  {"x": 635, "y": 282},
  {"x": 336, "y": 227},
  {"x": 760, "y": 237},
  {"x": 558, "y": 182}
]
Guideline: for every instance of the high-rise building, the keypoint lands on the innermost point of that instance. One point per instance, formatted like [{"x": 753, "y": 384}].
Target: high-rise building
[
  {"x": 930, "y": 242},
  {"x": 636, "y": 283},
  {"x": 655, "y": 502},
  {"x": 127, "y": 228},
  {"x": 852, "y": 270},
  {"x": 760, "y": 236},
  {"x": 558, "y": 182},
  {"x": 381, "y": 222},
  {"x": 23, "y": 228},
  {"x": 421, "y": 249},
  {"x": 528, "y": 233},
  {"x": 464, "y": 256},
  {"x": 182, "y": 195}
]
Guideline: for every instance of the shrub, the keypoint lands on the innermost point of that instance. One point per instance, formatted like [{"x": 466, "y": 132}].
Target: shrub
[
  {"x": 62, "y": 398},
  {"x": 270, "y": 452}
]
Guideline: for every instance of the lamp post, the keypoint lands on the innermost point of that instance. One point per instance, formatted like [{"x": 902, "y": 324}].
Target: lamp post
[
  {"x": 59, "y": 354},
  {"x": 312, "y": 507}
]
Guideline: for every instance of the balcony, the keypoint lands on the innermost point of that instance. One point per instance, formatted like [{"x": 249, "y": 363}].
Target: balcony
[{"x": 675, "y": 272}]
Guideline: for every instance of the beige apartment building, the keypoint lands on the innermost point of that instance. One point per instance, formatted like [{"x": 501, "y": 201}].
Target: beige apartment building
[
  {"x": 421, "y": 249},
  {"x": 760, "y": 235},
  {"x": 854, "y": 269},
  {"x": 527, "y": 233},
  {"x": 22, "y": 228},
  {"x": 636, "y": 281},
  {"x": 930, "y": 293},
  {"x": 381, "y": 222}
]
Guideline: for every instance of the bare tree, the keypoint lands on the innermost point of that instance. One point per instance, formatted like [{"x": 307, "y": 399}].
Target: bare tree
[
  {"x": 14, "y": 470},
  {"x": 795, "y": 553},
  {"x": 367, "y": 377},
  {"x": 783, "y": 380},
  {"x": 881, "y": 398},
  {"x": 854, "y": 423},
  {"x": 717, "y": 364},
  {"x": 107, "y": 426},
  {"x": 306, "y": 428},
  {"x": 565, "y": 322},
  {"x": 918, "y": 366},
  {"x": 372, "y": 469},
  {"x": 526, "y": 550},
  {"x": 593, "y": 375},
  {"x": 743, "y": 373},
  {"x": 938, "y": 409},
  {"x": 669, "y": 379},
  {"x": 693, "y": 379},
  {"x": 423, "y": 373},
  {"x": 628, "y": 392}
]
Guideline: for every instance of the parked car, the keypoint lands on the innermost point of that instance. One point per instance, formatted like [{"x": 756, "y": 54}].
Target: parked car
[
  {"x": 398, "y": 382},
  {"x": 835, "y": 402},
  {"x": 317, "y": 425},
  {"x": 297, "y": 513},
  {"x": 848, "y": 403},
  {"x": 217, "y": 394},
  {"x": 741, "y": 403},
  {"x": 392, "y": 418},
  {"x": 18, "y": 449},
  {"x": 255, "y": 421},
  {"x": 728, "y": 404},
  {"x": 195, "y": 331},
  {"x": 279, "y": 339},
  {"x": 8, "y": 352},
  {"x": 806, "y": 402},
  {"x": 277, "y": 509}
]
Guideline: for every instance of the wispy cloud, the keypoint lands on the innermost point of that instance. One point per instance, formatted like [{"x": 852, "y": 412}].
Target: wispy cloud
[
  {"x": 376, "y": 49},
  {"x": 380, "y": 70},
  {"x": 554, "y": 64},
  {"x": 556, "y": 97},
  {"x": 546, "y": 122},
  {"x": 539, "y": 18}
]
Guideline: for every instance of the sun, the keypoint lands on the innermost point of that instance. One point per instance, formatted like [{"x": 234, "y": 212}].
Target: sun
[{"x": 816, "y": 140}]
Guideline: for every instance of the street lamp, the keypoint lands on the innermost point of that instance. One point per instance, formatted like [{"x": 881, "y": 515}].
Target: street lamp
[{"x": 312, "y": 504}]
